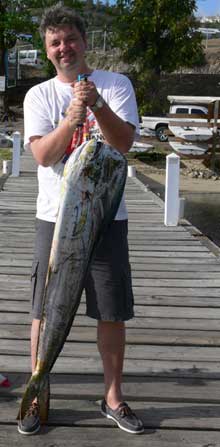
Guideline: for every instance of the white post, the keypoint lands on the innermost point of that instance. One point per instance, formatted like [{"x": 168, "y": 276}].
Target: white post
[
  {"x": 6, "y": 167},
  {"x": 131, "y": 171},
  {"x": 171, "y": 216},
  {"x": 16, "y": 154}
]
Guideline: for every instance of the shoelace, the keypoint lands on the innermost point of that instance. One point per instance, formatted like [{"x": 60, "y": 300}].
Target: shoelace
[{"x": 125, "y": 411}]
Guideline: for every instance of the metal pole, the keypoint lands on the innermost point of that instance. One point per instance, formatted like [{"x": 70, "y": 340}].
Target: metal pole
[
  {"x": 172, "y": 202},
  {"x": 104, "y": 44},
  {"x": 16, "y": 154},
  {"x": 215, "y": 134},
  {"x": 92, "y": 40}
]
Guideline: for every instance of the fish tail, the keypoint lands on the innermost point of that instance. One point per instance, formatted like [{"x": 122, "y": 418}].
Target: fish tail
[
  {"x": 44, "y": 399},
  {"x": 37, "y": 387}
]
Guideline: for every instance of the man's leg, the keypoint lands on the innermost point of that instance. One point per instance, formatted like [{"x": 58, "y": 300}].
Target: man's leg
[
  {"x": 34, "y": 342},
  {"x": 111, "y": 345},
  {"x": 44, "y": 233}
]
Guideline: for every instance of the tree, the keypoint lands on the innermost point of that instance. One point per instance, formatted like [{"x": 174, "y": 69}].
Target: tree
[
  {"x": 158, "y": 35},
  {"x": 14, "y": 19}
]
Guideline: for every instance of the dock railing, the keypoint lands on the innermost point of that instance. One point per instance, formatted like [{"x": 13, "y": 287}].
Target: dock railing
[
  {"x": 193, "y": 139},
  {"x": 199, "y": 135}
]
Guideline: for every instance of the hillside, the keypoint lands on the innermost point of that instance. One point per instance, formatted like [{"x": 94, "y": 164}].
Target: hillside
[{"x": 212, "y": 55}]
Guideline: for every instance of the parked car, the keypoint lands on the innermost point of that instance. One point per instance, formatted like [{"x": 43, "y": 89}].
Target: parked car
[
  {"x": 160, "y": 124},
  {"x": 26, "y": 57},
  {"x": 30, "y": 57}
]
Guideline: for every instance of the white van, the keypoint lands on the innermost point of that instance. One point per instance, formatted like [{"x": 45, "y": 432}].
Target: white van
[{"x": 30, "y": 57}]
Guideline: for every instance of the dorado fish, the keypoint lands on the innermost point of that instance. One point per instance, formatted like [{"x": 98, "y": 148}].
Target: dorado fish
[{"x": 92, "y": 187}]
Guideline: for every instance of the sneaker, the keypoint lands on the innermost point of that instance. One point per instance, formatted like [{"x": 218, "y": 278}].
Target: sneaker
[
  {"x": 124, "y": 417},
  {"x": 31, "y": 422}
]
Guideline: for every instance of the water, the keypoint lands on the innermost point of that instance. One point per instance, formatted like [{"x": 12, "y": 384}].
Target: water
[{"x": 201, "y": 209}]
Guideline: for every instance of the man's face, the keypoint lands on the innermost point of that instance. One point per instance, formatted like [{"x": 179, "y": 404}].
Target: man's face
[{"x": 65, "y": 48}]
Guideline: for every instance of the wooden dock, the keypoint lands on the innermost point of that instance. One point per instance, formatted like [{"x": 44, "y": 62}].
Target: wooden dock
[{"x": 172, "y": 361}]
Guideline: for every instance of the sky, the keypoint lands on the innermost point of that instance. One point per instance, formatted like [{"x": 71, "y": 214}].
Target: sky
[
  {"x": 208, "y": 7},
  {"x": 205, "y": 7}
]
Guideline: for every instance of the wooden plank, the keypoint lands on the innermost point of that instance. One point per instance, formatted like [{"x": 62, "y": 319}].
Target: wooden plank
[
  {"x": 180, "y": 245},
  {"x": 93, "y": 365},
  {"x": 136, "y": 323},
  {"x": 148, "y": 311},
  {"x": 13, "y": 297},
  {"x": 152, "y": 259},
  {"x": 13, "y": 264},
  {"x": 144, "y": 336},
  {"x": 212, "y": 283},
  {"x": 167, "y": 254},
  {"x": 13, "y": 274},
  {"x": 84, "y": 413},
  {"x": 139, "y": 300},
  {"x": 136, "y": 352},
  {"x": 150, "y": 236},
  {"x": 177, "y": 291},
  {"x": 148, "y": 244},
  {"x": 93, "y": 436},
  {"x": 142, "y": 281},
  {"x": 135, "y": 388},
  {"x": 179, "y": 266},
  {"x": 173, "y": 275},
  {"x": 179, "y": 249}
]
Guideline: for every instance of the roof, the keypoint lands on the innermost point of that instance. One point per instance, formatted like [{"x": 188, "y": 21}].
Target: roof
[{"x": 192, "y": 99}]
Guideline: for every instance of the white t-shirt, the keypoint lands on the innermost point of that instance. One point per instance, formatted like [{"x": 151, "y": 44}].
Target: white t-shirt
[{"x": 44, "y": 108}]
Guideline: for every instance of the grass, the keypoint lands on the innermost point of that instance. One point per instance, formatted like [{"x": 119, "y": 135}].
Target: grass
[
  {"x": 155, "y": 158},
  {"x": 5, "y": 153}
]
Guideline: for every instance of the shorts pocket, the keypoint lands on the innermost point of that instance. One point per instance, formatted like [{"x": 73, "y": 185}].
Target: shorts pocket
[{"x": 34, "y": 280}]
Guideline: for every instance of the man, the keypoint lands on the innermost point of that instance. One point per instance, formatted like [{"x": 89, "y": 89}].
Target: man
[{"x": 53, "y": 111}]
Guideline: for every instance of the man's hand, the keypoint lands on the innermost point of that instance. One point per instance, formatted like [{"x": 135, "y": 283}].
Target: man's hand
[
  {"x": 85, "y": 91},
  {"x": 76, "y": 112}
]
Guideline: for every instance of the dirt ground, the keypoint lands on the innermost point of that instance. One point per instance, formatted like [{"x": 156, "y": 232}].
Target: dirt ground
[{"x": 155, "y": 177}]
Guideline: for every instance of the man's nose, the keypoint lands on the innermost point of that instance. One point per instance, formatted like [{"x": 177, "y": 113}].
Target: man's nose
[{"x": 63, "y": 46}]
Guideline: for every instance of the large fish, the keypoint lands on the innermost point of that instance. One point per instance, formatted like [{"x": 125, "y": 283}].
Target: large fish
[{"x": 92, "y": 187}]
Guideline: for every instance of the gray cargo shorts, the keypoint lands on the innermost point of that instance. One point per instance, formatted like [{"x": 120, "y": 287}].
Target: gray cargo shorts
[{"x": 108, "y": 285}]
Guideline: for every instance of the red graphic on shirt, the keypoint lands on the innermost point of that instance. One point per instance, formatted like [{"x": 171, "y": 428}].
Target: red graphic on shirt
[{"x": 81, "y": 134}]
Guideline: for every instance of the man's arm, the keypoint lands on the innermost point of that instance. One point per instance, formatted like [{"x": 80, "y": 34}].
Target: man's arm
[
  {"x": 117, "y": 132},
  {"x": 50, "y": 148}
]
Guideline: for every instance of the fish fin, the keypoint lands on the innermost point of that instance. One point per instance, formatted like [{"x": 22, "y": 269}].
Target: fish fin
[{"x": 44, "y": 399}]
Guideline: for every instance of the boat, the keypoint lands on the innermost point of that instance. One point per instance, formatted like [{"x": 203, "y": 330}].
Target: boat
[
  {"x": 146, "y": 132},
  {"x": 192, "y": 133},
  {"x": 189, "y": 149},
  {"x": 6, "y": 141},
  {"x": 139, "y": 146}
]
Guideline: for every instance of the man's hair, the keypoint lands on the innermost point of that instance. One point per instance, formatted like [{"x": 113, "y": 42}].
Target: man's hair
[{"x": 58, "y": 16}]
